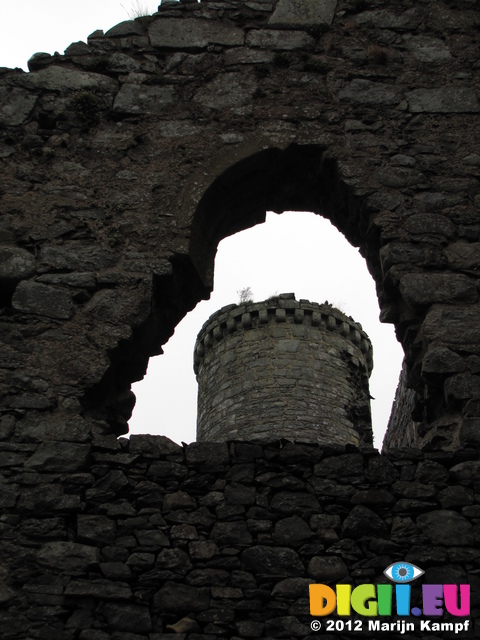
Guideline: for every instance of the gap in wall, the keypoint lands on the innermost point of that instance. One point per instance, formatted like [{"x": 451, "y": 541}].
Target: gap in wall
[{"x": 295, "y": 252}]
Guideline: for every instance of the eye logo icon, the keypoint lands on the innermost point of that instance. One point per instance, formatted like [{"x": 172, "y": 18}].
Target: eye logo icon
[{"x": 403, "y": 572}]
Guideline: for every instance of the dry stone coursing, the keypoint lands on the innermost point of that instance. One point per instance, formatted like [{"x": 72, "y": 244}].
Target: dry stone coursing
[
  {"x": 123, "y": 163},
  {"x": 213, "y": 540},
  {"x": 127, "y": 159}
]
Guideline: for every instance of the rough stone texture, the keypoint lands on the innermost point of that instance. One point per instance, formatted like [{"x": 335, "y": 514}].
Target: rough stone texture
[
  {"x": 56, "y": 78},
  {"x": 368, "y": 92},
  {"x": 280, "y": 40},
  {"x": 232, "y": 91},
  {"x": 15, "y": 265},
  {"x": 443, "y": 100},
  {"x": 16, "y": 105},
  {"x": 428, "y": 49},
  {"x": 110, "y": 220},
  {"x": 446, "y": 528},
  {"x": 127, "y": 159},
  {"x": 193, "y": 33},
  {"x": 123, "y": 565},
  {"x": 294, "y": 368},
  {"x": 32, "y": 297},
  {"x": 303, "y": 13},
  {"x": 427, "y": 288},
  {"x": 59, "y": 456},
  {"x": 138, "y": 99}
]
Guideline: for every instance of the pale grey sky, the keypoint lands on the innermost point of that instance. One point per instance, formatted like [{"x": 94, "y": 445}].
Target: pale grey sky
[
  {"x": 294, "y": 252},
  {"x": 30, "y": 26}
]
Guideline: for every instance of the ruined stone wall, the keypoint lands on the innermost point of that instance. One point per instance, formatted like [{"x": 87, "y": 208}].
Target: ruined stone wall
[
  {"x": 127, "y": 159},
  {"x": 295, "y": 369},
  {"x": 123, "y": 163},
  {"x": 146, "y": 538},
  {"x": 401, "y": 429}
]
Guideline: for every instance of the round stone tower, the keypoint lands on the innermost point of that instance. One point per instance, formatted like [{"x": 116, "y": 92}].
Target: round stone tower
[{"x": 283, "y": 369}]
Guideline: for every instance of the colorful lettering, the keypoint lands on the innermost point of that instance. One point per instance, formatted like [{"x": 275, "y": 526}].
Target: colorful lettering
[
  {"x": 371, "y": 601},
  {"x": 384, "y": 598},
  {"x": 450, "y": 594},
  {"x": 432, "y": 599},
  {"x": 363, "y": 600},
  {"x": 322, "y": 599},
  {"x": 402, "y": 595},
  {"x": 344, "y": 593}
]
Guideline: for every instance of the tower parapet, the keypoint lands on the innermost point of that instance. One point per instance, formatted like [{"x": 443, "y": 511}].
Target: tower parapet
[{"x": 283, "y": 368}]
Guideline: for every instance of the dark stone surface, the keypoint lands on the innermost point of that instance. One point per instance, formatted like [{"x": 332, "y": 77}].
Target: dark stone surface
[
  {"x": 362, "y": 521},
  {"x": 98, "y": 589},
  {"x": 425, "y": 289},
  {"x": 231, "y": 533},
  {"x": 111, "y": 218},
  {"x": 60, "y": 457},
  {"x": 109, "y": 563},
  {"x": 291, "y": 531},
  {"x": 182, "y": 598},
  {"x": 327, "y": 570},
  {"x": 287, "y": 503},
  {"x": 278, "y": 562},
  {"x": 341, "y": 87},
  {"x": 40, "y": 299},
  {"x": 201, "y": 453},
  {"x": 466, "y": 472},
  {"x": 15, "y": 264},
  {"x": 446, "y": 527},
  {"x": 96, "y": 529},
  {"x": 128, "y": 617},
  {"x": 69, "y": 557}
]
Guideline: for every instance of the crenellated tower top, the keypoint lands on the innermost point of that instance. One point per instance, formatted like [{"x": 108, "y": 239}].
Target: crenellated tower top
[{"x": 283, "y": 368}]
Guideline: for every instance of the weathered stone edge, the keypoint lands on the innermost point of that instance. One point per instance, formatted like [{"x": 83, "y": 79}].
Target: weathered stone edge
[{"x": 279, "y": 309}]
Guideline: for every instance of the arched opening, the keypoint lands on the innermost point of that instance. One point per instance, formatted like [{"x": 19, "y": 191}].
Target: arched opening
[
  {"x": 298, "y": 178},
  {"x": 218, "y": 202},
  {"x": 296, "y": 251}
]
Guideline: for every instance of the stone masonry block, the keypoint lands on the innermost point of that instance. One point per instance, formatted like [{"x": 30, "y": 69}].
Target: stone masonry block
[
  {"x": 41, "y": 299},
  {"x": 140, "y": 99},
  {"x": 304, "y": 13},
  {"x": 192, "y": 34},
  {"x": 57, "y": 78},
  {"x": 443, "y": 100},
  {"x": 59, "y": 457},
  {"x": 15, "y": 105},
  {"x": 280, "y": 40},
  {"x": 15, "y": 264},
  {"x": 427, "y": 288}
]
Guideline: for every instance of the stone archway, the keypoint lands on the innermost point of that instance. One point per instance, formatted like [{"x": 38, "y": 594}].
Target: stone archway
[
  {"x": 123, "y": 162},
  {"x": 121, "y": 158},
  {"x": 297, "y": 178}
]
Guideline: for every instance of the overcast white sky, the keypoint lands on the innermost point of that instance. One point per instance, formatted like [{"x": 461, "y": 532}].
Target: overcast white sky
[
  {"x": 30, "y": 26},
  {"x": 293, "y": 252}
]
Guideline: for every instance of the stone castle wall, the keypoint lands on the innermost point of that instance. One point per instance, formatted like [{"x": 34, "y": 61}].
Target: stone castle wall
[
  {"x": 401, "y": 429},
  {"x": 140, "y": 539},
  {"x": 123, "y": 163},
  {"x": 127, "y": 159},
  {"x": 295, "y": 369}
]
